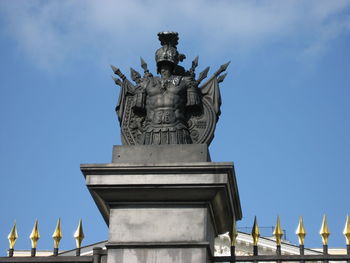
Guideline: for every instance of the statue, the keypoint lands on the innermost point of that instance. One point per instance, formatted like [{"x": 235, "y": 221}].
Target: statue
[{"x": 173, "y": 108}]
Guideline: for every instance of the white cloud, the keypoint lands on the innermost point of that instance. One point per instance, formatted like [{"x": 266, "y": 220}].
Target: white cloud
[{"x": 51, "y": 32}]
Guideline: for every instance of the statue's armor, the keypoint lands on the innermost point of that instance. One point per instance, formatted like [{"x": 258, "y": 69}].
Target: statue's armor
[
  {"x": 164, "y": 103},
  {"x": 172, "y": 109}
]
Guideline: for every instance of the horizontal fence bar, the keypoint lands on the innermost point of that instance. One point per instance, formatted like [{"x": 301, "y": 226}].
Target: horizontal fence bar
[
  {"x": 283, "y": 258},
  {"x": 49, "y": 259}
]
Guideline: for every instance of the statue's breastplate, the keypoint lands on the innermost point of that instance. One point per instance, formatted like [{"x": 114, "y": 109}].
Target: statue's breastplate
[
  {"x": 165, "y": 100},
  {"x": 166, "y": 87}
]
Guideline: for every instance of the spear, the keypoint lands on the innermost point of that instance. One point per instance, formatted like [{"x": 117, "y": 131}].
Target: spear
[
  {"x": 195, "y": 62},
  {"x": 222, "y": 77},
  {"x": 118, "y": 72},
  {"x": 194, "y": 65},
  {"x": 217, "y": 73},
  {"x": 203, "y": 75},
  {"x": 135, "y": 76},
  {"x": 117, "y": 81},
  {"x": 145, "y": 68},
  {"x": 222, "y": 69}
]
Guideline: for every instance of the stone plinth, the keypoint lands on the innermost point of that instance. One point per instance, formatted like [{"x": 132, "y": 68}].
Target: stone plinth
[
  {"x": 167, "y": 211},
  {"x": 156, "y": 154}
]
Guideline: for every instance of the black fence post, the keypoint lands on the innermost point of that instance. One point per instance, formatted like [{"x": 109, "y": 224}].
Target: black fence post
[
  {"x": 11, "y": 250},
  {"x": 233, "y": 254},
  {"x": 96, "y": 254}
]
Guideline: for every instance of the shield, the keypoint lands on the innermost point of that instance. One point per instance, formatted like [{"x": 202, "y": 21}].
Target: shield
[{"x": 201, "y": 124}]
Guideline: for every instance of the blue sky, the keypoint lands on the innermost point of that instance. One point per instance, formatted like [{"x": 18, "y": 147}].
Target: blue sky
[{"x": 285, "y": 114}]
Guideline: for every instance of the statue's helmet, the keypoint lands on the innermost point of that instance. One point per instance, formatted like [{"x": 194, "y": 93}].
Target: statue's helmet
[{"x": 168, "y": 52}]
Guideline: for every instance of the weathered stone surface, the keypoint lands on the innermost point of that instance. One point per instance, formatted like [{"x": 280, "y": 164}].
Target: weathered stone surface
[
  {"x": 160, "y": 207},
  {"x": 156, "y": 154},
  {"x": 208, "y": 183},
  {"x": 158, "y": 255},
  {"x": 161, "y": 223}
]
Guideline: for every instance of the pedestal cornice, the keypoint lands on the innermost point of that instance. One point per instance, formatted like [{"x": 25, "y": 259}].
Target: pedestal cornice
[{"x": 181, "y": 184}]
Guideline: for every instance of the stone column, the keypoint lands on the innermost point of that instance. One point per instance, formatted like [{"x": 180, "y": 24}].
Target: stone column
[{"x": 163, "y": 204}]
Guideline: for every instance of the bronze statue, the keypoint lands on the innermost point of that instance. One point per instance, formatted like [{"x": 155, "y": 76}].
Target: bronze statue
[{"x": 173, "y": 108}]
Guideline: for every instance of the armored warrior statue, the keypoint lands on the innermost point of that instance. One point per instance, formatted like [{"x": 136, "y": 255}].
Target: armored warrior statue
[{"x": 172, "y": 108}]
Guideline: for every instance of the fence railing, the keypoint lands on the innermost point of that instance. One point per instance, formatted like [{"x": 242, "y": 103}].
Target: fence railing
[
  {"x": 97, "y": 254},
  {"x": 35, "y": 236},
  {"x": 255, "y": 257},
  {"x": 278, "y": 257}
]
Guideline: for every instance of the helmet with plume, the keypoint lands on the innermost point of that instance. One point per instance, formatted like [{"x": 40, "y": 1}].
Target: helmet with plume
[{"x": 168, "y": 52}]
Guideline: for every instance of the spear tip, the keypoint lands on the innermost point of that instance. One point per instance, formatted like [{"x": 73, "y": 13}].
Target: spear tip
[
  {"x": 143, "y": 63},
  {"x": 115, "y": 70},
  {"x": 117, "y": 81},
  {"x": 206, "y": 71},
  {"x": 222, "y": 77},
  {"x": 224, "y": 66},
  {"x": 195, "y": 61},
  {"x": 203, "y": 74}
]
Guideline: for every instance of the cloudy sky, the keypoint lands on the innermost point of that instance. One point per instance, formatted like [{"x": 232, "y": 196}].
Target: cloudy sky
[{"x": 285, "y": 114}]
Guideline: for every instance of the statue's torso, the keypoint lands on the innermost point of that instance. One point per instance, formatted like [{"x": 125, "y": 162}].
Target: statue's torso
[{"x": 165, "y": 101}]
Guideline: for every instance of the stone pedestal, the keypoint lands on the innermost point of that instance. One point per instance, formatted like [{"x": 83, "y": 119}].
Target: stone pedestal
[{"x": 161, "y": 208}]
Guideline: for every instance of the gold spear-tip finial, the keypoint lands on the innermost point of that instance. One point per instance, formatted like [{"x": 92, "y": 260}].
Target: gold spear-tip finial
[
  {"x": 57, "y": 234},
  {"x": 346, "y": 231},
  {"x": 234, "y": 233},
  {"x": 79, "y": 234},
  {"x": 277, "y": 232},
  {"x": 13, "y": 235},
  {"x": 34, "y": 236},
  {"x": 255, "y": 232},
  {"x": 301, "y": 233},
  {"x": 324, "y": 232}
]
